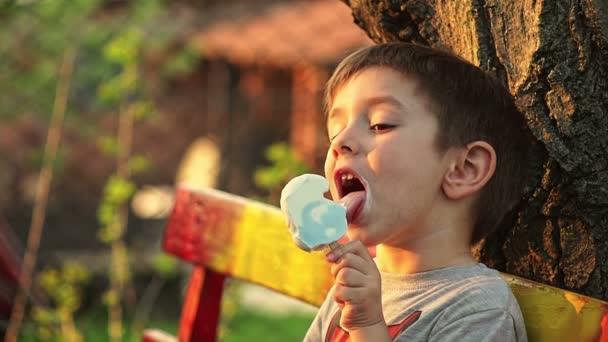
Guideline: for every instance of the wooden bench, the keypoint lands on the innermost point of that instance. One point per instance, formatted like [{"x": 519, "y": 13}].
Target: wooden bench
[{"x": 229, "y": 236}]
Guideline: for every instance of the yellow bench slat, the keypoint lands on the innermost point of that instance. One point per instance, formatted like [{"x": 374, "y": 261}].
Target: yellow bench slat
[{"x": 249, "y": 240}]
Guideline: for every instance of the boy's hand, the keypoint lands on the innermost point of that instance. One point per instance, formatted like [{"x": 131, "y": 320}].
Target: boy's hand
[{"x": 358, "y": 287}]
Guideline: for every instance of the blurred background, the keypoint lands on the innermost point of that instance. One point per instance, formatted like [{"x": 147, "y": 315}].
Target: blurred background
[{"x": 143, "y": 95}]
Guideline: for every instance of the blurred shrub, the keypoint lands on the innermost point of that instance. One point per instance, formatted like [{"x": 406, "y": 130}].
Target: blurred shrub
[
  {"x": 64, "y": 288},
  {"x": 283, "y": 166}
]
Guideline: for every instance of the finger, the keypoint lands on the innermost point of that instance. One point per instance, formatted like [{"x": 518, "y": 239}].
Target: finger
[
  {"x": 351, "y": 261},
  {"x": 355, "y": 247},
  {"x": 350, "y": 277},
  {"x": 337, "y": 294},
  {"x": 345, "y": 294},
  {"x": 338, "y": 301}
]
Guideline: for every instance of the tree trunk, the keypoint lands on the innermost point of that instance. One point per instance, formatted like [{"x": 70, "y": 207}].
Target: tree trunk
[{"x": 553, "y": 55}]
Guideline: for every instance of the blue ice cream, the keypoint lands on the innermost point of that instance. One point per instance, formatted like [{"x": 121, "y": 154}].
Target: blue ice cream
[{"x": 314, "y": 221}]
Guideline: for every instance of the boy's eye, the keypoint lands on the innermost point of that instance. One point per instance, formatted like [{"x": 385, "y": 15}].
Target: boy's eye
[{"x": 381, "y": 127}]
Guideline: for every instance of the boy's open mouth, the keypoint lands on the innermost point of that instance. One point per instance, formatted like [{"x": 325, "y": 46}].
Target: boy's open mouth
[{"x": 352, "y": 193}]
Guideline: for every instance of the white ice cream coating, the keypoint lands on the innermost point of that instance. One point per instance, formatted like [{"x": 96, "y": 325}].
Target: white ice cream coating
[{"x": 313, "y": 220}]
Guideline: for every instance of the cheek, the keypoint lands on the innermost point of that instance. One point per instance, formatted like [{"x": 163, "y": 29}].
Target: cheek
[
  {"x": 328, "y": 169},
  {"x": 394, "y": 175},
  {"x": 329, "y": 164},
  {"x": 387, "y": 162}
]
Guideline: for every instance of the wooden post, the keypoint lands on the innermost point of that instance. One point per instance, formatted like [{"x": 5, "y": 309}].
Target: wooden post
[
  {"x": 201, "y": 311},
  {"x": 306, "y": 118}
]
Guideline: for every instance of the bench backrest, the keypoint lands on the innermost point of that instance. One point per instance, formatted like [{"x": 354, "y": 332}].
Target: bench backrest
[{"x": 225, "y": 235}]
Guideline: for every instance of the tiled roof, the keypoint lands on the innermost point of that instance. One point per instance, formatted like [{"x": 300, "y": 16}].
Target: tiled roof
[{"x": 309, "y": 31}]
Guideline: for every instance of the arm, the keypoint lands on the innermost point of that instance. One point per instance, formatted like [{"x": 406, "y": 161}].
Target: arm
[
  {"x": 377, "y": 332},
  {"x": 489, "y": 325},
  {"x": 357, "y": 291}
]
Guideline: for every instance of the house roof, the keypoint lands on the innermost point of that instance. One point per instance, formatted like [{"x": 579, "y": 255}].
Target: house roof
[{"x": 287, "y": 33}]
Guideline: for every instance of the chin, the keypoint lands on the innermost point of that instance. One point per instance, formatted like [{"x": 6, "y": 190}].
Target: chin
[{"x": 361, "y": 234}]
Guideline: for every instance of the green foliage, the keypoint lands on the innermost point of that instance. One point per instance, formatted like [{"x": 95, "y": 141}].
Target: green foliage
[
  {"x": 64, "y": 288},
  {"x": 230, "y": 306},
  {"x": 247, "y": 325},
  {"x": 35, "y": 34},
  {"x": 32, "y": 41},
  {"x": 139, "y": 163},
  {"x": 141, "y": 110},
  {"x": 108, "y": 145},
  {"x": 182, "y": 63},
  {"x": 118, "y": 190},
  {"x": 110, "y": 39},
  {"x": 124, "y": 49},
  {"x": 116, "y": 193},
  {"x": 6, "y": 5},
  {"x": 122, "y": 91},
  {"x": 165, "y": 265},
  {"x": 93, "y": 326},
  {"x": 244, "y": 326},
  {"x": 110, "y": 298},
  {"x": 284, "y": 165}
]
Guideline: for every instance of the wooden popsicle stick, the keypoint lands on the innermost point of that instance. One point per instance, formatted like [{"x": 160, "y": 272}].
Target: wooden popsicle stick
[{"x": 331, "y": 247}]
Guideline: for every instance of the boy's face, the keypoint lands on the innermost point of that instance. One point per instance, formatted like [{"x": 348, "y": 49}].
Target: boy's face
[{"x": 383, "y": 134}]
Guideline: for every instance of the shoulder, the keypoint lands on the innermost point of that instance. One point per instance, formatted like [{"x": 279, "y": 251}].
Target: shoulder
[
  {"x": 485, "y": 325},
  {"x": 460, "y": 288},
  {"x": 485, "y": 284},
  {"x": 467, "y": 303},
  {"x": 481, "y": 295},
  {"x": 481, "y": 288}
]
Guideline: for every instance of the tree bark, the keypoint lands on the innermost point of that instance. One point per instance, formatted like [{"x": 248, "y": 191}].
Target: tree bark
[{"x": 553, "y": 56}]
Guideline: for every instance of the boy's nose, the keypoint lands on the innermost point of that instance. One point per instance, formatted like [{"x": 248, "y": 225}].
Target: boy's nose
[{"x": 344, "y": 144}]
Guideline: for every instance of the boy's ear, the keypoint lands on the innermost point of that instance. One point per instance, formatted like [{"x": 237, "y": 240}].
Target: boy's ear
[{"x": 470, "y": 171}]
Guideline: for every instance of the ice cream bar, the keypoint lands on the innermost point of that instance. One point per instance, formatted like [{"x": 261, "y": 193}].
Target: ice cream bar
[{"x": 314, "y": 221}]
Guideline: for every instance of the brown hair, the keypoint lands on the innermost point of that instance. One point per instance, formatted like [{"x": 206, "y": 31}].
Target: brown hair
[{"x": 470, "y": 105}]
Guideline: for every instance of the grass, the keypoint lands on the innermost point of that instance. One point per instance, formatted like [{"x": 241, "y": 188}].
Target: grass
[
  {"x": 243, "y": 325},
  {"x": 248, "y": 325},
  {"x": 239, "y": 322},
  {"x": 93, "y": 327}
]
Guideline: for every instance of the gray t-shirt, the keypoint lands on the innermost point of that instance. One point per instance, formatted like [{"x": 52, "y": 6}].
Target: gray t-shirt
[{"x": 459, "y": 303}]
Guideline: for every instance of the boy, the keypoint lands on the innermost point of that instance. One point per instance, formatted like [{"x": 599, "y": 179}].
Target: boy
[{"x": 427, "y": 152}]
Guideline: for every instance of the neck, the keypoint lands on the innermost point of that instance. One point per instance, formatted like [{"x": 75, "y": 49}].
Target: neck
[{"x": 439, "y": 249}]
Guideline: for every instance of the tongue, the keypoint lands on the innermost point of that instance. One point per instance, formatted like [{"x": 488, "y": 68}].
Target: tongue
[{"x": 354, "y": 204}]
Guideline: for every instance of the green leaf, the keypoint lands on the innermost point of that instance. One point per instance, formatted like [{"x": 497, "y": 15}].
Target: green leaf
[
  {"x": 49, "y": 279},
  {"x": 108, "y": 145},
  {"x": 106, "y": 213},
  {"x": 118, "y": 190},
  {"x": 110, "y": 233},
  {"x": 183, "y": 62},
  {"x": 45, "y": 333},
  {"x": 75, "y": 273},
  {"x": 140, "y": 110},
  {"x": 109, "y": 92},
  {"x": 110, "y": 298},
  {"x": 124, "y": 49},
  {"x": 6, "y": 4},
  {"x": 278, "y": 152},
  {"x": 43, "y": 315},
  {"x": 165, "y": 264},
  {"x": 139, "y": 163},
  {"x": 284, "y": 165}
]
